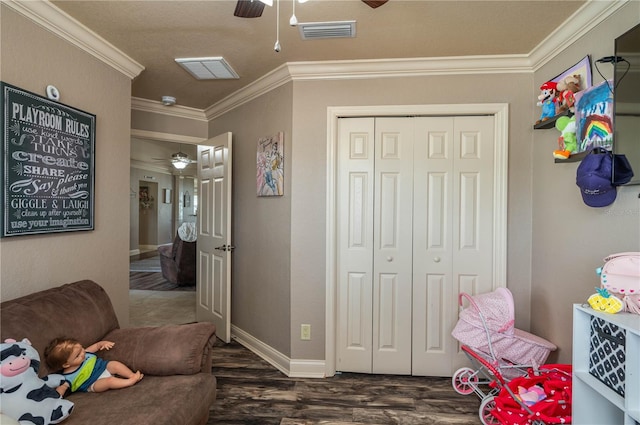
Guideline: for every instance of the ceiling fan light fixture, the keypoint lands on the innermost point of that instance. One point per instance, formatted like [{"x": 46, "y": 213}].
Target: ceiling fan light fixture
[
  {"x": 180, "y": 160},
  {"x": 179, "y": 164},
  {"x": 168, "y": 100}
]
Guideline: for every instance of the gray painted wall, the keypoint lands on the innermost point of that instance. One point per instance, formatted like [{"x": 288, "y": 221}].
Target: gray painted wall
[
  {"x": 570, "y": 239},
  {"x": 262, "y": 232},
  {"x": 554, "y": 242},
  {"x": 31, "y": 58},
  {"x": 548, "y": 259}
]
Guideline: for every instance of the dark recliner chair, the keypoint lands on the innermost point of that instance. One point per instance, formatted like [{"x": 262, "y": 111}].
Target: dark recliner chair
[{"x": 178, "y": 262}]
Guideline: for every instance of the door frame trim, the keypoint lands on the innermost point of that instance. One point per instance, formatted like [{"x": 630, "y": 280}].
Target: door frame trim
[{"x": 500, "y": 112}]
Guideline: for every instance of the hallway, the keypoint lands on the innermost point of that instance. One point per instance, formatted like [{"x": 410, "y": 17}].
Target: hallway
[{"x": 157, "y": 308}]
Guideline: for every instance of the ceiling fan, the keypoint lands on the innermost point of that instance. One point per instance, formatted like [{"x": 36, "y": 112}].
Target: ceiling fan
[
  {"x": 254, "y": 8},
  {"x": 179, "y": 160}
]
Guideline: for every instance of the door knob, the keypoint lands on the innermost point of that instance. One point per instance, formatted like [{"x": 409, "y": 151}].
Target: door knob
[
  {"x": 389, "y": 259},
  {"x": 225, "y": 248},
  {"x": 436, "y": 259}
]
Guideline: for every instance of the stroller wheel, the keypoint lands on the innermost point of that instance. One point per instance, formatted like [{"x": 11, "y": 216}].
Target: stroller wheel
[
  {"x": 464, "y": 380},
  {"x": 487, "y": 405}
]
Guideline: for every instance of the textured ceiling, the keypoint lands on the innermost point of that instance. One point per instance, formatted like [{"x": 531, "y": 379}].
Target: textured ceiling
[{"x": 155, "y": 33}]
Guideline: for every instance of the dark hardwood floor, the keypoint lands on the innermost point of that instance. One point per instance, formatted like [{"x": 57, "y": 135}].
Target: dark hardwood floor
[{"x": 250, "y": 391}]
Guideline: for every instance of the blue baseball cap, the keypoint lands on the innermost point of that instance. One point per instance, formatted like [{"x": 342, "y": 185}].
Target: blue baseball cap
[
  {"x": 594, "y": 180},
  {"x": 622, "y": 172}
]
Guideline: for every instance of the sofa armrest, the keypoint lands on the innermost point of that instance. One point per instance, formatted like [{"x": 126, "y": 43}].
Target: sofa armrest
[
  {"x": 167, "y": 250},
  {"x": 164, "y": 350}
]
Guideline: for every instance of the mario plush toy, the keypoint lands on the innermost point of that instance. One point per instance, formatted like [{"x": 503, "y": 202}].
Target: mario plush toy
[{"x": 546, "y": 100}]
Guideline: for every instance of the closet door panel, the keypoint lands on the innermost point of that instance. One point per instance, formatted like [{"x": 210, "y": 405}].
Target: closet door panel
[
  {"x": 473, "y": 211},
  {"x": 432, "y": 246},
  {"x": 473, "y": 205},
  {"x": 355, "y": 245},
  {"x": 392, "y": 256}
]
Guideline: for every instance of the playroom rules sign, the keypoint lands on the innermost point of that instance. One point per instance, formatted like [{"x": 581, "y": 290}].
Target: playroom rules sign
[{"x": 48, "y": 161}]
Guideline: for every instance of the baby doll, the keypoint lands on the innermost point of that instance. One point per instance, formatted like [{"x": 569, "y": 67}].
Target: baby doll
[{"x": 83, "y": 370}]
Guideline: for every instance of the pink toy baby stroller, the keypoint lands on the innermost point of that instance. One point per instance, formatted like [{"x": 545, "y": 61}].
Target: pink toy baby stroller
[{"x": 497, "y": 350}]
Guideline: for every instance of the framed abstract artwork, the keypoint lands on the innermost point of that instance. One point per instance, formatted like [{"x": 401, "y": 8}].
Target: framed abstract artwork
[
  {"x": 594, "y": 117},
  {"x": 270, "y": 165}
]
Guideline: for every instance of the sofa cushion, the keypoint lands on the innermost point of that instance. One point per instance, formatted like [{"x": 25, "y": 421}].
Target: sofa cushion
[
  {"x": 81, "y": 310},
  {"x": 169, "y": 400},
  {"x": 163, "y": 350}
]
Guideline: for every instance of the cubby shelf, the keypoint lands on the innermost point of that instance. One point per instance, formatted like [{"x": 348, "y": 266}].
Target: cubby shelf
[{"x": 594, "y": 402}]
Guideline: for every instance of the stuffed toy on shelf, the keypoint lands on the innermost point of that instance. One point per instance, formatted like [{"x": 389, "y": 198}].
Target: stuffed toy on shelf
[
  {"x": 566, "y": 90},
  {"x": 568, "y": 141},
  {"x": 546, "y": 100},
  {"x": 603, "y": 301}
]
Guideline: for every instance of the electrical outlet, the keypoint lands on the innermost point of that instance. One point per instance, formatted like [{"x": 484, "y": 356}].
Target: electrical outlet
[{"x": 305, "y": 332}]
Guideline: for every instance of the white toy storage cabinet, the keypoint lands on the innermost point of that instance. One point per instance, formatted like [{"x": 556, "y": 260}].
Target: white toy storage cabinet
[{"x": 606, "y": 367}]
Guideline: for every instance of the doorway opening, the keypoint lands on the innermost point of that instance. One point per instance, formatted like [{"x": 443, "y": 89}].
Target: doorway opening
[{"x": 172, "y": 199}]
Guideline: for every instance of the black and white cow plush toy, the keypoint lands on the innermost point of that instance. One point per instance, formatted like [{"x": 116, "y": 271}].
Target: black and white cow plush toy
[{"x": 24, "y": 396}]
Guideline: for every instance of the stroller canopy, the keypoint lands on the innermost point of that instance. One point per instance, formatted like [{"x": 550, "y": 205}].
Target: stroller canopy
[{"x": 495, "y": 307}]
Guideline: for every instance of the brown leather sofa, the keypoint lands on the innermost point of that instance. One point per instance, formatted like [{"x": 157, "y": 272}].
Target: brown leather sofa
[
  {"x": 178, "y": 262},
  {"x": 178, "y": 387}
]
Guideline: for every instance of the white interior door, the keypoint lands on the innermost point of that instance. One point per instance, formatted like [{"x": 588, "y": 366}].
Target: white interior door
[
  {"x": 213, "y": 299},
  {"x": 392, "y": 250},
  {"x": 375, "y": 243},
  {"x": 355, "y": 245},
  {"x": 453, "y": 232},
  {"x": 433, "y": 286},
  {"x": 415, "y": 215}
]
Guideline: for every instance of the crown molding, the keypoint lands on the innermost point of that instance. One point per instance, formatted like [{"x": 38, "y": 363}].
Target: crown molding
[
  {"x": 49, "y": 17},
  {"x": 577, "y": 25},
  {"x": 156, "y": 168},
  {"x": 156, "y": 107},
  {"x": 165, "y": 137},
  {"x": 582, "y": 21},
  {"x": 408, "y": 67},
  {"x": 365, "y": 69},
  {"x": 270, "y": 81},
  {"x": 190, "y": 171}
]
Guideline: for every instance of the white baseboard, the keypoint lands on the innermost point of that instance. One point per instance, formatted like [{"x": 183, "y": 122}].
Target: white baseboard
[
  {"x": 307, "y": 369},
  {"x": 291, "y": 368},
  {"x": 133, "y": 252}
]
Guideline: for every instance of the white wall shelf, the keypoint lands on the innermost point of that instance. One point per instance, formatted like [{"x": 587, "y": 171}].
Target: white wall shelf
[{"x": 593, "y": 401}]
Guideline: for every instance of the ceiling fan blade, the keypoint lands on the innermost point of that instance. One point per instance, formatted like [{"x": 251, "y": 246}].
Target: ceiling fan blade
[
  {"x": 374, "y": 3},
  {"x": 248, "y": 9}
]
